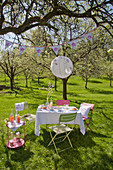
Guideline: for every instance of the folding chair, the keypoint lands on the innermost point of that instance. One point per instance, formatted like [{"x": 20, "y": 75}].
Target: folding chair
[
  {"x": 60, "y": 129},
  {"x": 63, "y": 102},
  {"x": 22, "y": 106},
  {"x": 87, "y": 117}
]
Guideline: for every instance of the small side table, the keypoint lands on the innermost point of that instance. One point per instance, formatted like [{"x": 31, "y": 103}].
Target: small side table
[{"x": 15, "y": 142}]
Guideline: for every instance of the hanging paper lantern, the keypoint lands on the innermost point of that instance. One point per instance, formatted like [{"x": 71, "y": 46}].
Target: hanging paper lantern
[{"x": 61, "y": 66}]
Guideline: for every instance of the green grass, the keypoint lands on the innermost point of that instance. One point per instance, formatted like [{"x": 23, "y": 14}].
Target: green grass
[{"x": 94, "y": 150}]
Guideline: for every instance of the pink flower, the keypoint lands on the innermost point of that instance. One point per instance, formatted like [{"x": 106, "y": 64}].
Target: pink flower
[
  {"x": 89, "y": 36},
  {"x": 38, "y": 51},
  {"x": 73, "y": 44},
  {"x": 55, "y": 49},
  {"x": 67, "y": 60},
  {"x": 22, "y": 49},
  {"x": 7, "y": 44},
  {"x": 49, "y": 89}
]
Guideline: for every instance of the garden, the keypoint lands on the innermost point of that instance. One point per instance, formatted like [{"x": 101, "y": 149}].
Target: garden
[
  {"x": 93, "y": 150},
  {"x": 54, "y": 50}
]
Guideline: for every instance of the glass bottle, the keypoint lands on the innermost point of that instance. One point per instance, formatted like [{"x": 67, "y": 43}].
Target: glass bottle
[
  {"x": 16, "y": 117},
  {"x": 47, "y": 103},
  {"x": 51, "y": 102},
  {"x": 11, "y": 116}
]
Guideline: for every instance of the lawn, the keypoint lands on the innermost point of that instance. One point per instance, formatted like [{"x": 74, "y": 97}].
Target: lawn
[{"x": 94, "y": 150}]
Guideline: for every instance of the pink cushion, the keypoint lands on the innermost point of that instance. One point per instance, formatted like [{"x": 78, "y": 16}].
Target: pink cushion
[
  {"x": 63, "y": 102},
  {"x": 84, "y": 110},
  {"x": 87, "y": 104}
]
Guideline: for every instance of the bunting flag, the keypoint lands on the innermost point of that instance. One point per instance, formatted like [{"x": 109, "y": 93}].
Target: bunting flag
[
  {"x": 22, "y": 48},
  {"x": 39, "y": 50},
  {"x": 73, "y": 44},
  {"x": 7, "y": 44},
  {"x": 89, "y": 36},
  {"x": 55, "y": 48}
]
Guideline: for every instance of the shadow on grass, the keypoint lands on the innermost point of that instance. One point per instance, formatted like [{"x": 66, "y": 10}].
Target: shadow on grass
[
  {"x": 105, "y": 162},
  {"x": 78, "y": 141},
  {"x": 19, "y": 155},
  {"x": 108, "y": 118},
  {"x": 70, "y": 83},
  {"x": 68, "y": 156},
  {"x": 99, "y": 91},
  {"x": 94, "y": 134},
  {"x": 30, "y": 137},
  {"x": 76, "y": 137},
  {"x": 95, "y": 81}
]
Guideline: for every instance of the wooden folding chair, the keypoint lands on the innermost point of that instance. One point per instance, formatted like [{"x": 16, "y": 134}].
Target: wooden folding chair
[{"x": 88, "y": 119}]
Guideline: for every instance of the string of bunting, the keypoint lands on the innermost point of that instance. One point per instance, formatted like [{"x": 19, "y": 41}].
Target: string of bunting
[{"x": 55, "y": 48}]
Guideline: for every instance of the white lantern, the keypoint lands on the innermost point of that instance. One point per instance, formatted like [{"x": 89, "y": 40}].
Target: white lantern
[{"x": 61, "y": 66}]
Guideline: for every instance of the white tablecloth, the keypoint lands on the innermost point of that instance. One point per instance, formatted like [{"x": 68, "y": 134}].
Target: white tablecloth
[
  {"x": 52, "y": 117},
  {"x": 14, "y": 126}
]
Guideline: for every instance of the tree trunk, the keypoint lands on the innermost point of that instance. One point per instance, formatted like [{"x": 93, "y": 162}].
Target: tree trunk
[
  {"x": 12, "y": 78},
  {"x": 64, "y": 89},
  {"x": 5, "y": 78},
  {"x": 38, "y": 80},
  {"x": 11, "y": 82},
  {"x": 26, "y": 81},
  {"x": 110, "y": 82},
  {"x": 86, "y": 83},
  {"x": 55, "y": 83}
]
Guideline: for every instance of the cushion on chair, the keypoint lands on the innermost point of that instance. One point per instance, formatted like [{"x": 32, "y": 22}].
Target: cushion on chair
[
  {"x": 63, "y": 102},
  {"x": 84, "y": 110},
  {"x": 60, "y": 128},
  {"x": 88, "y": 104}
]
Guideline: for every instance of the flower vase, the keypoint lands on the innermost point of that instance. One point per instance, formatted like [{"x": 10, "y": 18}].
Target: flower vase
[{"x": 47, "y": 103}]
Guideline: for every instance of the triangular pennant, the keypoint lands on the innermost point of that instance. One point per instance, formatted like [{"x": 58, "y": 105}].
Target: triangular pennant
[
  {"x": 55, "y": 48},
  {"x": 39, "y": 50},
  {"x": 89, "y": 36},
  {"x": 7, "y": 44},
  {"x": 22, "y": 48},
  {"x": 1, "y": 38},
  {"x": 73, "y": 44}
]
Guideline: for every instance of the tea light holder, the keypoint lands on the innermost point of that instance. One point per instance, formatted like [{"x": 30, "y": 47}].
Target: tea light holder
[
  {"x": 18, "y": 136},
  {"x": 11, "y": 142}
]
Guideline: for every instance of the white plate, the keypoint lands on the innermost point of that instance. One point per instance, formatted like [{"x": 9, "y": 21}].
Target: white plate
[{"x": 72, "y": 108}]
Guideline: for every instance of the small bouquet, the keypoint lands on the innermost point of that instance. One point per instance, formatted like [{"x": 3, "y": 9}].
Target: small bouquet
[{"x": 49, "y": 89}]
